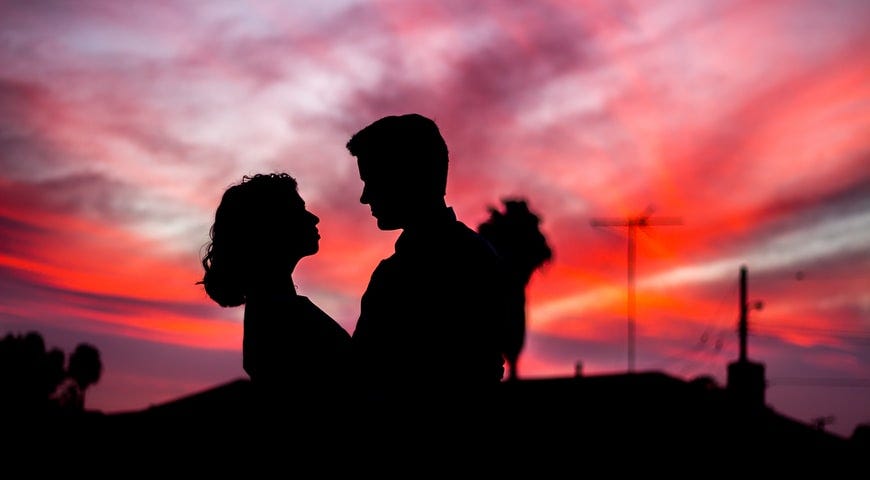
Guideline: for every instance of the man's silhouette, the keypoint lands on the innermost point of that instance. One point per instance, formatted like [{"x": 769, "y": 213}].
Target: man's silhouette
[{"x": 430, "y": 321}]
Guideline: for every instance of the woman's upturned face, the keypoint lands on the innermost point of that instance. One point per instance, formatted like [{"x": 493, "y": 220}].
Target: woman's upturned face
[
  {"x": 279, "y": 231},
  {"x": 302, "y": 236}
]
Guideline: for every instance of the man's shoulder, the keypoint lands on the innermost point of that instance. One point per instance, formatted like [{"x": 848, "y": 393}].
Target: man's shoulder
[
  {"x": 450, "y": 243},
  {"x": 475, "y": 241}
]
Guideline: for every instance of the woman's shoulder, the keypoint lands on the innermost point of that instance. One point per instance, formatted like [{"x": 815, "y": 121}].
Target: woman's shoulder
[
  {"x": 304, "y": 302},
  {"x": 318, "y": 317}
]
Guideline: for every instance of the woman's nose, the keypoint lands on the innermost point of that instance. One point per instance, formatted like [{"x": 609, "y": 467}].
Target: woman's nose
[
  {"x": 364, "y": 198},
  {"x": 314, "y": 218}
]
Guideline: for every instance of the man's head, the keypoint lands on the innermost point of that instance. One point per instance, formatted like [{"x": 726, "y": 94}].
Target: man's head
[{"x": 402, "y": 162}]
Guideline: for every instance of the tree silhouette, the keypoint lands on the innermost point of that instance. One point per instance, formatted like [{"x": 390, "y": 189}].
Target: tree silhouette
[
  {"x": 85, "y": 369},
  {"x": 34, "y": 381},
  {"x": 28, "y": 373},
  {"x": 515, "y": 233},
  {"x": 55, "y": 373}
]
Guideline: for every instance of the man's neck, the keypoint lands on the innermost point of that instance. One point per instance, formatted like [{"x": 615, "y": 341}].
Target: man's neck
[{"x": 434, "y": 214}]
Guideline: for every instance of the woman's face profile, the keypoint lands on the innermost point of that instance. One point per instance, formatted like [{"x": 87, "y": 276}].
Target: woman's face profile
[
  {"x": 301, "y": 234},
  {"x": 282, "y": 232}
]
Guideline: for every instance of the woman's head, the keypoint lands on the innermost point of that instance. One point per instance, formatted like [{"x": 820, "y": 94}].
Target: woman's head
[{"x": 261, "y": 230}]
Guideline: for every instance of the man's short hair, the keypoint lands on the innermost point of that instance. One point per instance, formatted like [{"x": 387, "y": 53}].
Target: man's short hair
[{"x": 410, "y": 145}]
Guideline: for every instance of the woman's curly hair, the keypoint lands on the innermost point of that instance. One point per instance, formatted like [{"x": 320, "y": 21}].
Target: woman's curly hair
[{"x": 245, "y": 216}]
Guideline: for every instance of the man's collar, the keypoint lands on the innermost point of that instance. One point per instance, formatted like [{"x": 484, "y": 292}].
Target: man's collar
[{"x": 431, "y": 224}]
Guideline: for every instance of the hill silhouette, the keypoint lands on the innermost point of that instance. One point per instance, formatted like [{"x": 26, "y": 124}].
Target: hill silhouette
[
  {"x": 644, "y": 422},
  {"x": 628, "y": 413}
]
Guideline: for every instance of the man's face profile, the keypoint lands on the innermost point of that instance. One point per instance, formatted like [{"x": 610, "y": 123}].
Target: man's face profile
[{"x": 385, "y": 192}]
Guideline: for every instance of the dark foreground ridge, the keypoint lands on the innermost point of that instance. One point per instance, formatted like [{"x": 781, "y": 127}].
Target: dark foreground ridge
[{"x": 553, "y": 420}]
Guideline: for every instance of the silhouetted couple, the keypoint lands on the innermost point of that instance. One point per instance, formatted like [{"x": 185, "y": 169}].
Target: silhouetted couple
[{"x": 429, "y": 335}]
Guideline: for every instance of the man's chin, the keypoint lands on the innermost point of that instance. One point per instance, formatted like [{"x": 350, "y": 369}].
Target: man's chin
[{"x": 388, "y": 225}]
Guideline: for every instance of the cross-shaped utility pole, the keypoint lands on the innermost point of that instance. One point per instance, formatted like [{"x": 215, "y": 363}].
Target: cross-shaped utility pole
[{"x": 642, "y": 220}]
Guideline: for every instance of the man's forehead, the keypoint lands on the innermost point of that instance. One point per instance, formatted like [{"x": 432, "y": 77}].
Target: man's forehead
[{"x": 373, "y": 164}]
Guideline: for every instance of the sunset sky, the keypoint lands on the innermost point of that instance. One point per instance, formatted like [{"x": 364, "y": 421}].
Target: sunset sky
[{"x": 121, "y": 124}]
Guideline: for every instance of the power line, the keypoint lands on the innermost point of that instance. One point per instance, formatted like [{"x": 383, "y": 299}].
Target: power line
[
  {"x": 764, "y": 333},
  {"x": 685, "y": 360},
  {"x": 825, "y": 331},
  {"x": 819, "y": 382}
]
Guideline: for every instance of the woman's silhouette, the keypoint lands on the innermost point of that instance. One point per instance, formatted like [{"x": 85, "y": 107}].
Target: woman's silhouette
[{"x": 295, "y": 354}]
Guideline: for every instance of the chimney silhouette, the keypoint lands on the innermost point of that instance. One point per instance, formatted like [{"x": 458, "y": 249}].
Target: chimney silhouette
[{"x": 746, "y": 382}]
